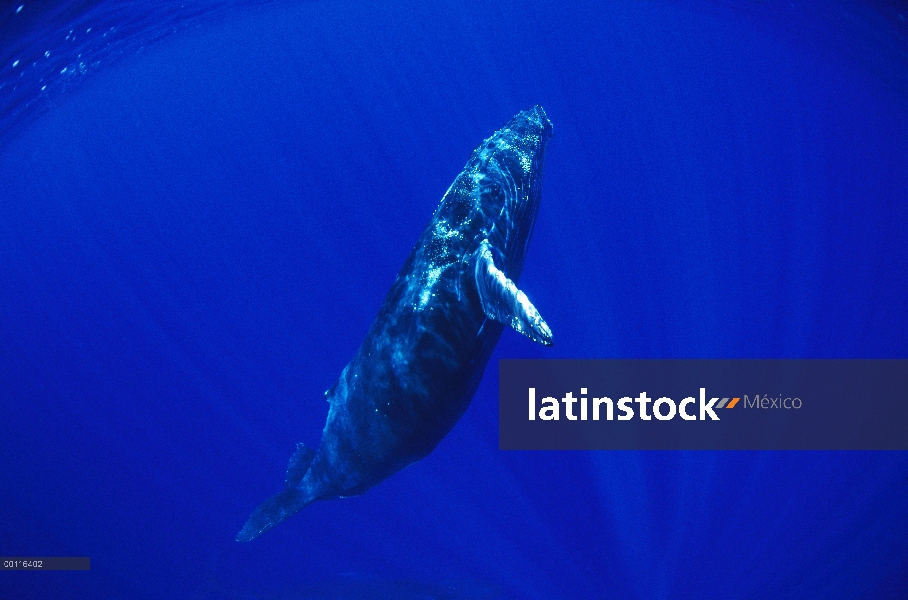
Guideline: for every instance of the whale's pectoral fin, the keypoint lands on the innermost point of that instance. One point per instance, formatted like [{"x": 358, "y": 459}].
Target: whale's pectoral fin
[
  {"x": 299, "y": 464},
  {"x": 504, "y": 302}
]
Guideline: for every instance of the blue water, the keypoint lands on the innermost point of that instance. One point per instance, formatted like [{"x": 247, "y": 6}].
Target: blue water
[{"x": 197, "y": 228}]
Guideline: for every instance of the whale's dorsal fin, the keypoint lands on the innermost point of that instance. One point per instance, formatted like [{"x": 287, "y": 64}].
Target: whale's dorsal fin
[
  {"x": 504, "y": 302},
  {"x": 299, "y": 464},
  {"x": 330, "y": 391}
]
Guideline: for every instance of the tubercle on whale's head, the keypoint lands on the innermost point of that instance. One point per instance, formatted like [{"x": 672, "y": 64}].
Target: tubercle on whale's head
[{"x": 532, "y": 121}]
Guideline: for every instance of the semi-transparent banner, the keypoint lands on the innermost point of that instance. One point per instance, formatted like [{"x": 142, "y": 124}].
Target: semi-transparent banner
[{"x": 798, "y": 404}]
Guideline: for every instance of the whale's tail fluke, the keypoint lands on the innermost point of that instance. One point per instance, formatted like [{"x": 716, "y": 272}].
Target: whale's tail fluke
[
  {"x": 272, "y": 511},
  {"x": 284, "y": 504}
]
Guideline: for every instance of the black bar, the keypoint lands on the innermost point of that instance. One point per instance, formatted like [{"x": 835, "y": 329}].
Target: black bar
[{"x": 45, "y": 563}]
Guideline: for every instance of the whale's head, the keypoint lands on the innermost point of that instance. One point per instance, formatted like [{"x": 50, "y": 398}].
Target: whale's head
[{"x": 510, "y": 184}]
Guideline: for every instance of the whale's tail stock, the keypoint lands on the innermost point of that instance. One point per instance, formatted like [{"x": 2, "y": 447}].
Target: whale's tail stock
[{"x": 285, "y": 503}]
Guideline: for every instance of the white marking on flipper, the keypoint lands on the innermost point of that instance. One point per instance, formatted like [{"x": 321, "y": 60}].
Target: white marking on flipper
[{"x": 502, "y": 301}]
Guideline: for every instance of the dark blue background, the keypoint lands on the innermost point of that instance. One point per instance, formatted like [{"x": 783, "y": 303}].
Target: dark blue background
[{"x": 194, "y": 242}]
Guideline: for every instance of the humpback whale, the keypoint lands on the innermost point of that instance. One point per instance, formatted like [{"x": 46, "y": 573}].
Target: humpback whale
[{"x": 417, "y": 370}]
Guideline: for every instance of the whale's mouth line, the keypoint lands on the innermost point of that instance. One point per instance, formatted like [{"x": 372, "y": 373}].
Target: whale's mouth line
[{"x": 520, "y": 206}]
